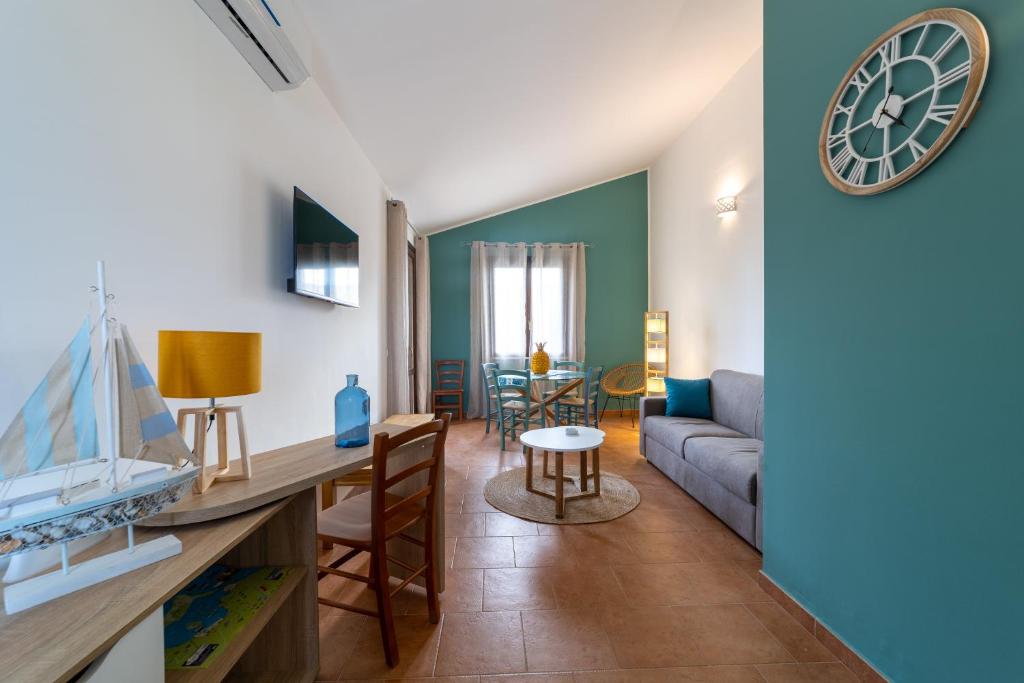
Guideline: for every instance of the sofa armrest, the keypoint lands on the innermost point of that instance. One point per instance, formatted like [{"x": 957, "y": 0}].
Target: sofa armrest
[
  {"x": 759, "y": 511},
  {"x": 649, "y": 405}
]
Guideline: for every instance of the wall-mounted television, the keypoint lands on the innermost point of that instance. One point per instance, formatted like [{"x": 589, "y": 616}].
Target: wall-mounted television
[{"x": 326, "y": 254}]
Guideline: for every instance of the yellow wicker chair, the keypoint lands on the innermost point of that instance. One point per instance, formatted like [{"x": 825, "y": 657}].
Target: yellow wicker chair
[{"x": 626, "y": 385}]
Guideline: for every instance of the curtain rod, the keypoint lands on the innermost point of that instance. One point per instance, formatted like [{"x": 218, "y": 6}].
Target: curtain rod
[{"x": 529, "y": 244}]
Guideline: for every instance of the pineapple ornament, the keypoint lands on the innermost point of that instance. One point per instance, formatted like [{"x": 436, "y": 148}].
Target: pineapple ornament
[{"x": 540, "y": 361}]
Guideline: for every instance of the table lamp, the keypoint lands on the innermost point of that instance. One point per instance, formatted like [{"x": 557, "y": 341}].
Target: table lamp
[{"x": 210, "y": 365}]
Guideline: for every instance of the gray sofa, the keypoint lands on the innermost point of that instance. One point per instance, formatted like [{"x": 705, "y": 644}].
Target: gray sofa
[{"x": 719, "y": 461}]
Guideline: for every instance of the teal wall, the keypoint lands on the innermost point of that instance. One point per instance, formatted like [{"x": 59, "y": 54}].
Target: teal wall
[
  {"x": 894, "y": 353},
  {"x": 611, "y": 216}
]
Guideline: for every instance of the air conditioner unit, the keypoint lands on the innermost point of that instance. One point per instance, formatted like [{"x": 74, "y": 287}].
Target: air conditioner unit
[{"x": 256, "y": 31}]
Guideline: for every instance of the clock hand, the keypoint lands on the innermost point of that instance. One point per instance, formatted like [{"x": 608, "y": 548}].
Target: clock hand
[
  {"x": 884, "y": 102},
  {"x": 896, "y": 119}
]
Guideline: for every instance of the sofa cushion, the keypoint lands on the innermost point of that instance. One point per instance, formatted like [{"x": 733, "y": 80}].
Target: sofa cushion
[
  {"x": 672, "y": 432},
  {"x": 688, "y": 398},
  {"x": 730, "y": 462},
  {"x": 737, "y": 401}
]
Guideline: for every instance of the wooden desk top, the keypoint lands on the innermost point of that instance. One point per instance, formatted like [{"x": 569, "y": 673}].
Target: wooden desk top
[
  {"x": 54, "y": 641},
  {"x": 280, "y": 473}
]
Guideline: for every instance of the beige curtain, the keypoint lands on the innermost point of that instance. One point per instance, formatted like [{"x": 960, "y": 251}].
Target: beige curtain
[
  {"x": 397, "y": 311},
  {"x": 497, "y": 328},
  {"x": 423, "y": 363},
  {"x": 559, "y": 299}
]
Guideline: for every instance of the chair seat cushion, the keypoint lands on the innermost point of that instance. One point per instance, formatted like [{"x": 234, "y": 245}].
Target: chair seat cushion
[
  {"x": 730, "y": 462},
  {"x": 350, "y": 519},
  {"x": 519, "y": 406},
  {"x": 673, "y": 432},
  {"x": 572, "y": 401}
]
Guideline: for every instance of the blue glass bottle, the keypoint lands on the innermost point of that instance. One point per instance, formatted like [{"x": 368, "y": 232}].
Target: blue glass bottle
[{"x": 352, "y": 415}]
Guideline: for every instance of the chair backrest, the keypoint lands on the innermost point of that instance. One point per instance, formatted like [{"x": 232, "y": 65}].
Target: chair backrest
[
  {"x": 569, "y": 365},
  {"x": 489, "y": 387},
  {"x": 448, "y": 374},
  {"x": 624, "y": 380},
  {"x": 380, "y": 482},
  {"x": 591, "y": 389},
  {"x": 592, "y": 385},
  {"x": 520, "y": 379}
]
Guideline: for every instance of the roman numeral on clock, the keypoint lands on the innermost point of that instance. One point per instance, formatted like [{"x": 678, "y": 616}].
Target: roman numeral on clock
[
  {"x": 916, "y": 148},
  {"x": 890, "y": 51},
  {"x": 942, "y": 113},
  {"x": 857, "y": 173},
  {"x": 954, "y": 74},
  {"x": 841, "y": 160},
  {"x": 886, "y": 170},
  {"x": 947, "y": 46}
]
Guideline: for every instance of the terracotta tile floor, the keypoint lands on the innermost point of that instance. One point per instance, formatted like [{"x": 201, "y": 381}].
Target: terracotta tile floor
[{"x": 665, "y": 593}]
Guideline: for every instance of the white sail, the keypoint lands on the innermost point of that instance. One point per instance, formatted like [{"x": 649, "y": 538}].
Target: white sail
[
  {"x": 148, "y": 431},
  {"x": 57, "y": 425}
]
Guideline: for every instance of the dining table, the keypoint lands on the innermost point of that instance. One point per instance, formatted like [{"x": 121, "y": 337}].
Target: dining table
[{"x": 548, "y": 387}]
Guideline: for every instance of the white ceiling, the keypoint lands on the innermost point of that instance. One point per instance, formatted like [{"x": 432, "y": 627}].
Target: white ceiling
[{"x": 472, "y": 107}]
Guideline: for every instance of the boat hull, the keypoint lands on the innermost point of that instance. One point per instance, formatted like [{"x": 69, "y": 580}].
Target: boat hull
[{"x": 102, "y": 517}]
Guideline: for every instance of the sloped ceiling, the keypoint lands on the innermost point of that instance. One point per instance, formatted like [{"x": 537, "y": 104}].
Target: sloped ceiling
[{"x": 472, "y": 107}]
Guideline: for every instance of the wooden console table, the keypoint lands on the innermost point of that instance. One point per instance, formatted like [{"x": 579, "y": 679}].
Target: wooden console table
[{"x": 269, "y": 520}]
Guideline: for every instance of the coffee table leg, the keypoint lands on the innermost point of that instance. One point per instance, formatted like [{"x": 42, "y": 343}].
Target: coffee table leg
[
  {"x": 583, "y": 470},
  {"x": 597, "y": 471},
  {"x": 529, "y": 468},
  {"x": 559, "y": 486}
]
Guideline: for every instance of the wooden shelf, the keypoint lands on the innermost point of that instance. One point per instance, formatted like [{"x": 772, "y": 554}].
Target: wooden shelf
[{"x": 226, "y": 660}]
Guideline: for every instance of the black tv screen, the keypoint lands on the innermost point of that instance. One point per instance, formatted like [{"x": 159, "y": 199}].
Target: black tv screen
[{"x": 326, "y": 254}]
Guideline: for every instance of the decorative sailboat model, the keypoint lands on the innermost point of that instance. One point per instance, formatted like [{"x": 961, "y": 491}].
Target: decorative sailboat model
[{"x": 56, "y": 486}]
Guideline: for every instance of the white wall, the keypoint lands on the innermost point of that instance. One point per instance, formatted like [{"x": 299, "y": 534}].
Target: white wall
[
  {"x": 708, "y": 271},
  {"x": 133, "y": 131}
]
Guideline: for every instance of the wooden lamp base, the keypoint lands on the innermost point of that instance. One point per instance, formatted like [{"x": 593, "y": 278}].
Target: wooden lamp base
[{"x": 222, "y": 470}]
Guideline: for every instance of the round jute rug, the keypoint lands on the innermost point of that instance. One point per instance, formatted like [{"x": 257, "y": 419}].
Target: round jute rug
[{"x": 508, "y": 493}]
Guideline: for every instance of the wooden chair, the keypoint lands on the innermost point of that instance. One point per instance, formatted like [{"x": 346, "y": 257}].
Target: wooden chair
[
  {"x": 583, "y": 407},
  {"x": 516, "y": 408},
  {"x": 625, "y": 384},
  {"x": 448, "y": 376},
  {"x": 365, "y": 523},
  {"x": 491, "y": 393}
]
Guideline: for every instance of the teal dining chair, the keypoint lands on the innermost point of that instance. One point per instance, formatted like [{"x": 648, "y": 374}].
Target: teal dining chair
[
  {"x": 516, "y": 410},
  {"x": 584, "y": 406},
  {"x": 491, "y": 393}
]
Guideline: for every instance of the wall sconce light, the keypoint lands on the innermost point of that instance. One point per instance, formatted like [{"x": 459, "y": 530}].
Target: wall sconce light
[{"x": 725, "y": 206}]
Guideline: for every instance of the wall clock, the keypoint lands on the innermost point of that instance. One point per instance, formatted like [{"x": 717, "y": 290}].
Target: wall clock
[{"x": 903, "y": 101}]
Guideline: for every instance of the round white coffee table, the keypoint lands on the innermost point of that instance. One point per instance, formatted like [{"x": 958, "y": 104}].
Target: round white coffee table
[{"x": 556, "y": 440}]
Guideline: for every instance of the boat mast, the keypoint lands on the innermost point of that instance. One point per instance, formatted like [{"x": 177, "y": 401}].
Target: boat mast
[{"x": 108, "y": 372}]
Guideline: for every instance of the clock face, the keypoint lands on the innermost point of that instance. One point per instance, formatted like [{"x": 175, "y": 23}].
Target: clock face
[{"x": 903, "y": 101}]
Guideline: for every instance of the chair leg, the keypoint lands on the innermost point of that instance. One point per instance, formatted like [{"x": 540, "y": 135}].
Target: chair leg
[
  {"x": 429, "y": 575},
  {"x": 379, "y": 568},
  {"x": 606, "y": 398}
]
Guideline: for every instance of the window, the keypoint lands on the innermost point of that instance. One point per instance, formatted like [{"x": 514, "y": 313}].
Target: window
[{"x": 538, "y": 295}]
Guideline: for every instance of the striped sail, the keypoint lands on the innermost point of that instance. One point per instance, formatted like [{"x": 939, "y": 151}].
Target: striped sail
[
  {"x": 57, "y": 425},
  {"x": 147, "y": 430}
]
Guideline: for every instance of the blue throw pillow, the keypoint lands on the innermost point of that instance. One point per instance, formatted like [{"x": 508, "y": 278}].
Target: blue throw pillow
[{"x": 688, "y": 398}]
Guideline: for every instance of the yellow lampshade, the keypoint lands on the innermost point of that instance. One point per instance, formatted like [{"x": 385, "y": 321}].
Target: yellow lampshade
[
  {"x": 656, "y": 355},
  {"x": 656, "y": 325},
  {"x": 209, "y": 364}
]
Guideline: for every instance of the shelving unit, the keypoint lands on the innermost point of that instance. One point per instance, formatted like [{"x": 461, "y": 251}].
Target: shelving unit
[{"x": 221, "y": 667}]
